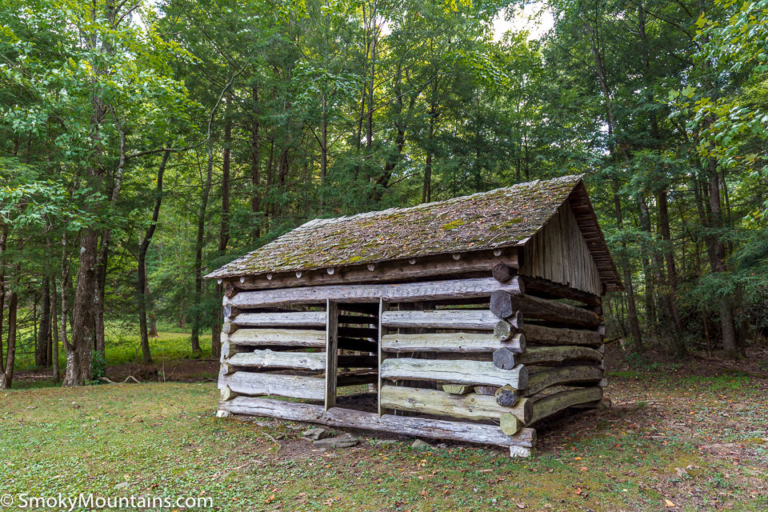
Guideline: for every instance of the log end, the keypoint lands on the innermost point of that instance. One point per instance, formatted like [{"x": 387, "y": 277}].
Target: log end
[
  {"x": 230, "y": 290},
  {"x": 503, "y": 272},
  {"x": 504, "y": 359}
]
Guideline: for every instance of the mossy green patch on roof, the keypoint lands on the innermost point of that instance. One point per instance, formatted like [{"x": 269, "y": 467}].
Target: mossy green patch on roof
[{"x": 488, "y": 220}]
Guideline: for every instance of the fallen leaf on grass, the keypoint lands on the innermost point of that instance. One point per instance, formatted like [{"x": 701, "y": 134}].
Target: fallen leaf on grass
[
  {"x": 521, "y": 505},
  {"x": 668, "y": 504}
]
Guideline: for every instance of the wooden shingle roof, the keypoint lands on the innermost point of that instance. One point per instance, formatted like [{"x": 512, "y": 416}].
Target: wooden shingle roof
[{"x": 499, "y": 218}]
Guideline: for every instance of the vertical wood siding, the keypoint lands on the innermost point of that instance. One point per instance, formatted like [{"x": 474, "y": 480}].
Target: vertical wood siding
[{"x": 558, "y": 252}]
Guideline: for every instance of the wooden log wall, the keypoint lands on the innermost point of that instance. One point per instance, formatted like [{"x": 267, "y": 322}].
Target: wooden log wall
[
  {"x": 282, "y": 352},
  {"x": 476, "y": 350},
  {"x": 511, "y": 360}
]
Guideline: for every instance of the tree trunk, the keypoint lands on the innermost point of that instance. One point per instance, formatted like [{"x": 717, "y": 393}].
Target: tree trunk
[
  {"x": 730, "y": 339},
  {"x": 142, "y": 284},
  {"x": 78, "y": 370},
  {"x": 54, "y": 332},
  {"x": 42, "y": 358},
  {"x": 224, "y": 231},
  {"x": 197, "y": 317},
  {"x": 669, "y": 257},
  {"x": 6, "y": 378},
  {"x": 255, "y": 170},
  {"x": 3, "y": 242},
  {"x": 426, "y": 193},
  {"x": 100, "y": 293},
  {"x": 634, "y": 323}
]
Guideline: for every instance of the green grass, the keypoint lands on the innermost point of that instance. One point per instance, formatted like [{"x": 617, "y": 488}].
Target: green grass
[
  {"x": 124, "y": 346},
  {"x": 164, "y": 440}
]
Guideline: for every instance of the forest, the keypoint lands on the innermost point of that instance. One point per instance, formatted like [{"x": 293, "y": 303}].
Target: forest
[{"x": 145, "y": 144}]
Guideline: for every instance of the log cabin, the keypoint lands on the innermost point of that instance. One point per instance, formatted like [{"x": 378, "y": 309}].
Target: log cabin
[{"x": 473, "y": 319}]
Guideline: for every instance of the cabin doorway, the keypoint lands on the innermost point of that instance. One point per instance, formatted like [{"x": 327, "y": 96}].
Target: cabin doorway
[{"x": 352, "y": 356}]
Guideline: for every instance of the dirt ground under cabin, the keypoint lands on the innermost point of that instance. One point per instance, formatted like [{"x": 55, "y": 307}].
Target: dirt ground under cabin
[{"x": 680, "y": 436}]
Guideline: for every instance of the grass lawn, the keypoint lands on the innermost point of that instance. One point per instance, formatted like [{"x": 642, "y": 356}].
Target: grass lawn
[{"x": 672, "y": 438}]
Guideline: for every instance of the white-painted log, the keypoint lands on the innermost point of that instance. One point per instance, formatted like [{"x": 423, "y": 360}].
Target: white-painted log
[
  {"x": 450, "y": 342},
  {"x": 281, "y": 337},
  {"x": 223, "y": 414},
  {"x": 453, "y": 372},
  {"x": 348, "y": 418},
  {"x": 403, "y": 292},
  {"x": 440, "y": 319},
  {"x": 289, "y": 319},
  {"x": 552, "y": 404},
  {"x": 566, "y": 375},
  {"x": 259, "y": 384},
  {"x": 440, "y": 403}
]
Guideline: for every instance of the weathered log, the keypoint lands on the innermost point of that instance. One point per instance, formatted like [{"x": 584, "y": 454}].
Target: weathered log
[
  {"x": 570, "y": 375},
  {"x": 401, "y": 292},
  {"x": 288, "y": 319},
  {"x": 506, "y": 396},
  {"x": 560, "y": 336},
  {"x": 292, "y": 386},
  {"x": 503, "y": 330},
  {"x": 226, "y": 369},
  {"x": 470, "y": 263},
  {"x": 279, "y": 337},
  {"x": 331, "y": 352},
  {"x": 439, "y": 403},
  {"x": 503, "y": 272},
  {"x": 450, "y": 342},
  {"x": 380, "y": 353},
  {"x": 510, "y": 424},
  {"x": 504, "y": 359},
  {"x": 269, "y": 359},
  {"x": 228, "y": 349},
  {"x": 230, "y": 312},
  {"x": 486, "y": 390},
  {"x": 551, "y": 311},
  {"x": 229, "y": 328},
  {"x": 440, "y": 319},
  {"x": 454, "y": 372},
  {"x": 348, "y": 418},
  {"x": 227, "y": 394},
  {"x": 547, "y": 289},
  {"x": 501, "y": 304},
  {"x": 230, "y": 290},
  {"x": 457, "y": 389},
  {"x": 551, "y": 355},
  {"x": 552, "y": 404}
]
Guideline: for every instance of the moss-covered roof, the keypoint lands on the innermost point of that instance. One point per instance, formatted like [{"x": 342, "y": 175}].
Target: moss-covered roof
[{"x": 489, "y": 220}]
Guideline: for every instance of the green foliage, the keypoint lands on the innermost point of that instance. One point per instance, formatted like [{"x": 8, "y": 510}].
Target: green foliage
[{"x": 98, "y": 366}]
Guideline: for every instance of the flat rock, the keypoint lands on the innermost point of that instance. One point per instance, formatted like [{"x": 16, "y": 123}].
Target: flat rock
[
  {"x": 317, "y": 433},
  {"x": 421, "y": 445},
  {"x": 336, "y": 442}
]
